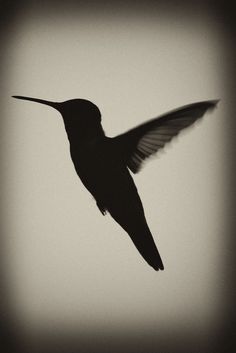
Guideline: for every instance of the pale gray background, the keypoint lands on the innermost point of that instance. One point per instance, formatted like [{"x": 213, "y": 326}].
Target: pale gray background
[{"x": 67, "y": 265}]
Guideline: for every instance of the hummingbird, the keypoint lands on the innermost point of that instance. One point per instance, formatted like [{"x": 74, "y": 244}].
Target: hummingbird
[{"x": 104, "y": 164}]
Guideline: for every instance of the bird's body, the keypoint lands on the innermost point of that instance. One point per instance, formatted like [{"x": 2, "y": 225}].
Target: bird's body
[
  {"x": 103, "y": 163},
  {"x": 101, "y": 169}
]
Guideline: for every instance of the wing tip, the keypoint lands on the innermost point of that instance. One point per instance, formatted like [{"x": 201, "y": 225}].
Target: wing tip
[
  {"x": 209, "y": 104},
  {"x": 206, "y": 106},
  {"x": 214, "y": 102}
]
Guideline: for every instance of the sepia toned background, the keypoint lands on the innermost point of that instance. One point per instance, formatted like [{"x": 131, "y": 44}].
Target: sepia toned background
[{"x": 70, "y": 277}]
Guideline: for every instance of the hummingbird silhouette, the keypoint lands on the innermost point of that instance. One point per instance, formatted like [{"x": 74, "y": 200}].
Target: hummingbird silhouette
[{"x": 104, "y": 163}]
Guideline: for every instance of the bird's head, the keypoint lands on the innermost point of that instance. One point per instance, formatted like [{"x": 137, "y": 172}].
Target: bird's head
[
  {"x": 79, "y": 115},
  {"x": 79, "y": 109}
]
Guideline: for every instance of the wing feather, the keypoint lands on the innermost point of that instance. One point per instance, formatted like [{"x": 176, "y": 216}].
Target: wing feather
[{"x": 144, "y": 140}]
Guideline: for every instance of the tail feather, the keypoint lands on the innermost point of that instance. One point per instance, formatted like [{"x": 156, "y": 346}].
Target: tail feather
[
  {"x": 144, "y": 243},
  {"x": 132, "y": 220}
]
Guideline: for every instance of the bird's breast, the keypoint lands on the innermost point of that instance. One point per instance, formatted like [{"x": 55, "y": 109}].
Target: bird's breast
[
  {"x": 106, "y": 177},
  {"x": 97, "y": 166}
]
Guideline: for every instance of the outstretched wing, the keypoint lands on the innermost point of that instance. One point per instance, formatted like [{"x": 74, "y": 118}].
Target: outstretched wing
[{"x": 141, "y": 142}]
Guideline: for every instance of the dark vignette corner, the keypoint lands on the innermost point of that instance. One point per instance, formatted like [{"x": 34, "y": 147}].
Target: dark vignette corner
[{"x": 11, "y": 340}]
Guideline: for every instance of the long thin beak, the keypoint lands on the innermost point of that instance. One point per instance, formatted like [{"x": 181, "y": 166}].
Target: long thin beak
[{"x": 42, "y": 101}]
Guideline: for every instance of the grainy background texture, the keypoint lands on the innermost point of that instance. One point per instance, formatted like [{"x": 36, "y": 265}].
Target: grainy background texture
[{"x": 71, "y": 280}]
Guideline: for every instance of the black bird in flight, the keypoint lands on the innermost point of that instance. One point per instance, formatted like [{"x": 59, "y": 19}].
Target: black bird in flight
[{"x": 104, "y": 163}]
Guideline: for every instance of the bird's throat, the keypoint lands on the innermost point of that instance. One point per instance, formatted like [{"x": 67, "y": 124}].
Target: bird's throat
[{"x": 77, "y": 134}]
